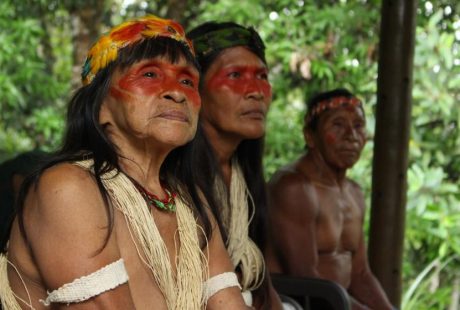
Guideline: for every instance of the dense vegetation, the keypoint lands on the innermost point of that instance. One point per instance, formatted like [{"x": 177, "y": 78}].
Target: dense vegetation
[{"x": 312, "y": 45}]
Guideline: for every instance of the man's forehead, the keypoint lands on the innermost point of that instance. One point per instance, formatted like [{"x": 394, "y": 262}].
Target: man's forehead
[{"x": 355, "y": 111}]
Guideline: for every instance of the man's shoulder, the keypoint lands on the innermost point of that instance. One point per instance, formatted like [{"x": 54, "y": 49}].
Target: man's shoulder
[
  {"x": 354, "y": 189},
  {"x": 354, "y": 186},
  {"x": 291, "y": 174},
  {"x": 290, "y": 181},
  {"x": 293, "y": 194}
]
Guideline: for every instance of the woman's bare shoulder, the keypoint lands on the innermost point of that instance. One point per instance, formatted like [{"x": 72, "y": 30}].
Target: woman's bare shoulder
[{"x": 65, "y": 200}]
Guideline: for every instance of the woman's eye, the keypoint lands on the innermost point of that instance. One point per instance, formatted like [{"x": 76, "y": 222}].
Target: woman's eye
[
  {"x": 150, "y": 74},
  {"x": 263, "y": 76},
  {"x": 188, "y": 83},
  {"x": 234, "y": 75}
]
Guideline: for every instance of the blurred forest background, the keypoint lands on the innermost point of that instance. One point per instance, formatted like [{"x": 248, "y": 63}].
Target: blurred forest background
[{"x": 312, "y": 45}]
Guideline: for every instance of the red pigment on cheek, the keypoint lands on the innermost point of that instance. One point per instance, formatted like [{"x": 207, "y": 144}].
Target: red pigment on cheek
[
  {"x": 330, "y": 138},
  {"x": 172, "y": 83},
  {"x": 247, "y": 82},
  {"x": 260, "y": 85},
  {"x": 117, "y": 94},
  {"x": 138, "y": 84}
]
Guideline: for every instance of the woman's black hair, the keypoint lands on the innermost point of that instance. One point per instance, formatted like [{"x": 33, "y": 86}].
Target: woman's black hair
[
  {"x": 85, "y": 137},
  {"x": 249, "y": 153}
]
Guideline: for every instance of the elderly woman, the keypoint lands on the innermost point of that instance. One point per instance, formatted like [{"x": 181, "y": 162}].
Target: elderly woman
[
  {"x": 236, "y": 95},
  {"x": 114, "y": 220}
]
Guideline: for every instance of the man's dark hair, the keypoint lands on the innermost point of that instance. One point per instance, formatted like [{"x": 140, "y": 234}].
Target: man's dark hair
[
  {"x": 85, "y": 137},
  {"x": 312, "y": 123}
]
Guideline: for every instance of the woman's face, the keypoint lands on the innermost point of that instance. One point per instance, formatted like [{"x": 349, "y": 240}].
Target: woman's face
[
  {"x": 236, "y": 94},
  {"x": 154, "y": 101}
]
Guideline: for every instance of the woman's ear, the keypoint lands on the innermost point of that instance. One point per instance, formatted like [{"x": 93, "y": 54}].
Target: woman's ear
[{"x": 105, "y": 115}]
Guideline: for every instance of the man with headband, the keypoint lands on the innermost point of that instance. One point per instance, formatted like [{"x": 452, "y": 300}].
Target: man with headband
[
  {"x": 236, "y": 95},
  {"x": 114, "y": 220},
  {"x": 316, "y": 212}
]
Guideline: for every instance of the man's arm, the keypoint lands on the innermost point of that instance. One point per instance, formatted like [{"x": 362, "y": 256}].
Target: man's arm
[
  {"x": 364, "y": 286},
  {"x": 67, "y": 225},
  {"x": 364, "y": 289},
  {"x": 292, "y": 216}
]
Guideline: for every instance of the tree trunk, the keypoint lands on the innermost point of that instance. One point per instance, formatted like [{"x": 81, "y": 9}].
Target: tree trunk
[
  {"x": 178, "y": 8},
  {"x": 86, "y": 21},
  {"x": 393, "y": 114}
]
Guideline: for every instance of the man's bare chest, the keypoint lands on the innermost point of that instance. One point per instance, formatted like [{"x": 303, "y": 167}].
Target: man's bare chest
[{"x": 339, "y": 219}]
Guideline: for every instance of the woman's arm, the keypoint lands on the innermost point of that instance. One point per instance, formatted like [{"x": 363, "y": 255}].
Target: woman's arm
[
  {"x": 219, "y": 263},
  {"x": 67, "y": 225}
]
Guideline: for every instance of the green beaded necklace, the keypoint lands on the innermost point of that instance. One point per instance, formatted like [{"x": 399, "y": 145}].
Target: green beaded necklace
[{"x": 152, "y": 200}]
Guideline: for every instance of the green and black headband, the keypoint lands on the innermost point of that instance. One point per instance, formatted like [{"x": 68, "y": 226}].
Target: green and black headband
[{"x": 220, "y": 39}]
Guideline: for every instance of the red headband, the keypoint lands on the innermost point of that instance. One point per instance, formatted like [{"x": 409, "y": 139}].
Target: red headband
[{"x": 332, "y": 103}]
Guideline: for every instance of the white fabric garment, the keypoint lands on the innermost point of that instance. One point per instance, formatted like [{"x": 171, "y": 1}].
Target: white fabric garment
[
  {"x": 96, "y": 283},
  {"x": 237, "y": 214},
  {"x": 220, "y": 282}
]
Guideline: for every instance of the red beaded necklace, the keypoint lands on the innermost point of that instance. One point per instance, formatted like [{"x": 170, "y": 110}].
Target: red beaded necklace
[{"x": 167, "y": 204}]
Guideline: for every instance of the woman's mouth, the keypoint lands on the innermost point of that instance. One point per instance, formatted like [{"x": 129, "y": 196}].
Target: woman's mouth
[
  {"x": 257, "y": 114},
  {"x": 174, "y": 115}
]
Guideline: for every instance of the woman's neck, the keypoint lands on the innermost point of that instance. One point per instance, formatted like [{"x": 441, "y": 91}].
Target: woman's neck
[
  {"x": 224, "y": 147},
  {"x": 141, "y": 161}
]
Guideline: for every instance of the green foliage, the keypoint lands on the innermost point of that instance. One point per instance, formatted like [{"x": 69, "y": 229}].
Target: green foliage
[
  {"x": 434, "y": 279},
  {"x": 26, "y": 84},
  {"x": 433, "y": 207},
  {"x": 312, "y": 46}
]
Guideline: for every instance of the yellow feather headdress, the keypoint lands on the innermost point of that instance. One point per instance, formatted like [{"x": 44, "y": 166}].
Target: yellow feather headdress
[{"x": 105, "y": 50}]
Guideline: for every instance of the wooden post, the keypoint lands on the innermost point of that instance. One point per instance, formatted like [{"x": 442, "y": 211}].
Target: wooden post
[{"x": 393, "y": 115}]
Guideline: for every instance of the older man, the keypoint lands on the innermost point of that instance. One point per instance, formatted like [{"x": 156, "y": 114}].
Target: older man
[{"x": 316, "y": 214}]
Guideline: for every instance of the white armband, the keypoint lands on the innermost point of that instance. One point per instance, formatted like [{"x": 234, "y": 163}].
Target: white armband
[
  {"x": 100, "y": 281},
  {"x": 220, "y": 282}
]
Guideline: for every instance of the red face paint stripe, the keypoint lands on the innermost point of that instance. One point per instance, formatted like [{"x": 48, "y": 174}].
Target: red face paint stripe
[
  {"x": 165, "y": 77},
  {"x": 118, "y": 94},
  {"x": 248, "y": 80}
]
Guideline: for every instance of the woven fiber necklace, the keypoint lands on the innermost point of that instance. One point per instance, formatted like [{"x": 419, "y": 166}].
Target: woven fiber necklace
[{"x": 152, "y": 200}]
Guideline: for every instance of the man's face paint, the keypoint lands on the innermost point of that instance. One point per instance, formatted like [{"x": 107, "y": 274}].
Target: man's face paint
[
  {"x": 341, "y": 135},
  {"x": 236, "y": 94},
  {"x": 331, "y": 138}
]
